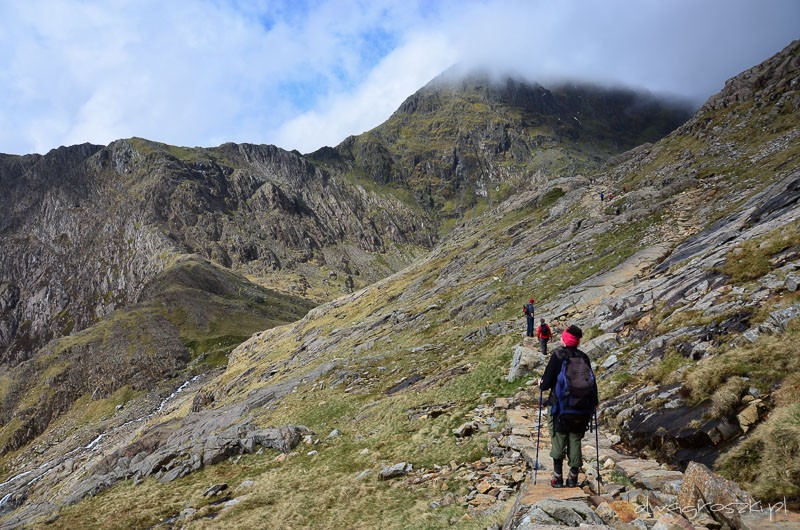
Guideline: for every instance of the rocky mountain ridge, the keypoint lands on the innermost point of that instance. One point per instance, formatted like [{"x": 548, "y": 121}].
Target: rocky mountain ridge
[
  {"x": 693, "y": 232},
  {"x": 254, "y": 208}
]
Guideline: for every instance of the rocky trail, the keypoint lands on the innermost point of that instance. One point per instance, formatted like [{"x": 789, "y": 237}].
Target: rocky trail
[{"x": 633, "y": 493}]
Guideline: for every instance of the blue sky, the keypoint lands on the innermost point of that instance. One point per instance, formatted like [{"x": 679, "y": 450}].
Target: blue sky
[{"x": 302, "y": 74}]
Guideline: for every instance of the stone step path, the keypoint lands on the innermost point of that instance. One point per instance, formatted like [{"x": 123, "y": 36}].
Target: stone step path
[{"x": 634, "y": 493}]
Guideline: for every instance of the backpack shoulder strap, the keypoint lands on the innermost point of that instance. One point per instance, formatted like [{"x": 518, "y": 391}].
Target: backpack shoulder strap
[
  {"x": 562, "y": 354},
  {"x": 579, "y": 353}
]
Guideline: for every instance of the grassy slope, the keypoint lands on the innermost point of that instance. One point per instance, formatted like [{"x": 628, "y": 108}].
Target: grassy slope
[
  {"x": 193, "y": 306},
  {"x": 319, "y": 491}
]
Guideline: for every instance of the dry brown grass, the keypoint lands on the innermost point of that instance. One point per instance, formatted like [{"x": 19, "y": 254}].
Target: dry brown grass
[
  {"x": 726, "y": 398},
  {"x": 766, "y": 364},
  {"x": 767, "y": 462}
]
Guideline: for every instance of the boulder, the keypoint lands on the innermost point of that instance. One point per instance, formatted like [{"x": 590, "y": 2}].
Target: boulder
[
  {"x": 751, "y": 414},
  {"x": 601, "y": 345},
  {"x": 524, "y": 361},
  {"x": 702, "y": 487},
  {"x": 606, "y": 513},
  {"x": 465, "y": 429},
  {"x": 752, "y": 334},
  {"x": 175, "y": 473},
  {"x": 284, "y": 438},
  {"x": 625, "y": 511},
  {"x": 781, "y": 318},
  {"x": 334, "y": 434},
  {"x": 214, "y": 490},
  {"x": 396, "y": 470},
  {"x": 609, "y": 362}
]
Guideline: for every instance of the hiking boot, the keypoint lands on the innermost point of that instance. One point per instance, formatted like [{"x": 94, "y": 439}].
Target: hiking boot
[
  {"x": 572, "y": 481},
  {"x": 557, "y": 482}
]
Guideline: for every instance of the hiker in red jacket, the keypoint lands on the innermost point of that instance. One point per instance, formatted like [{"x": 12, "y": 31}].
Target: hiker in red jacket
[{"x": 544, "y": 335}]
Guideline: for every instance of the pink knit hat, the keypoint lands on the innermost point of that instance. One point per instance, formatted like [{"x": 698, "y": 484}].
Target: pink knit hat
[{"x": 569, "y": 339}]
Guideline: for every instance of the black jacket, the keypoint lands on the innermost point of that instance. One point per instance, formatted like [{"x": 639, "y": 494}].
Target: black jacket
[{"x": 553, "y": 368}]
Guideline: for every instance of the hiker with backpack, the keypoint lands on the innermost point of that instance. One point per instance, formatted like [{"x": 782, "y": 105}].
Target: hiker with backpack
[
  {"x": 544, "y": 334},
  {"x": 573, "y": 400},
  {"x": 527, "y": 310}
]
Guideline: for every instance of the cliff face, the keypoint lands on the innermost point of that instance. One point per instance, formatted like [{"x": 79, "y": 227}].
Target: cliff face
[
  {"x": 682, "y": 277},
  {"x": 87, "y": 227}
]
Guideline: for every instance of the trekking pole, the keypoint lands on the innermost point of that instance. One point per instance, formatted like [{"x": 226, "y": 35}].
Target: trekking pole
[
  {"x": 538, "y": 435},
  {"x": 597, "y": 448}
]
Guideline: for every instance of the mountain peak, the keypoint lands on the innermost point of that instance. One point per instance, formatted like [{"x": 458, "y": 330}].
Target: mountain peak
[{"x": 466, "y": 139}]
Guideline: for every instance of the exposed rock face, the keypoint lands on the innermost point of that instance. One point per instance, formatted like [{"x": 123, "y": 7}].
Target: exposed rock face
[{"x": 86, "y": 227}]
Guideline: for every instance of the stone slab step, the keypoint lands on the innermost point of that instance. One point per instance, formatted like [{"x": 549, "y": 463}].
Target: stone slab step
[
  {"x": 542, "y": 490},
  {"x": 659, "y": 479},
  {"x": 631, "y": 467},
  {"x": 521, "y": 417}
]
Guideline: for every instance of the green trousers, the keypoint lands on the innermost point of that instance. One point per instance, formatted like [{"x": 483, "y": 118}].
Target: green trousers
[{"x": 562, "y": 443}]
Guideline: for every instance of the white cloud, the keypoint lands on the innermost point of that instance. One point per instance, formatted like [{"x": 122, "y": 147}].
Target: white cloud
[
  {"x": 398, "y": 76},
  {"x": 306, "y": 74}
]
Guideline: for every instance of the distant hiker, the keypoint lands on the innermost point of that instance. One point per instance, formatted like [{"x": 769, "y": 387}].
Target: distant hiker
[
  {"x": 527, "y": 310},
  {"x": 602, "y": 196},
  {"x": 573, "y": 399},
  {"x": 543, "y": 333}
]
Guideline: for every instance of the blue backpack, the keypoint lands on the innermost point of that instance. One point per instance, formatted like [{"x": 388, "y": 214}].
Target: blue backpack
[{"x": 575, "y": 394}]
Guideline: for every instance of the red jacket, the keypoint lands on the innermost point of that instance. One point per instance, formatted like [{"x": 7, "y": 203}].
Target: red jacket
[{"x": 543, "y": 332}]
